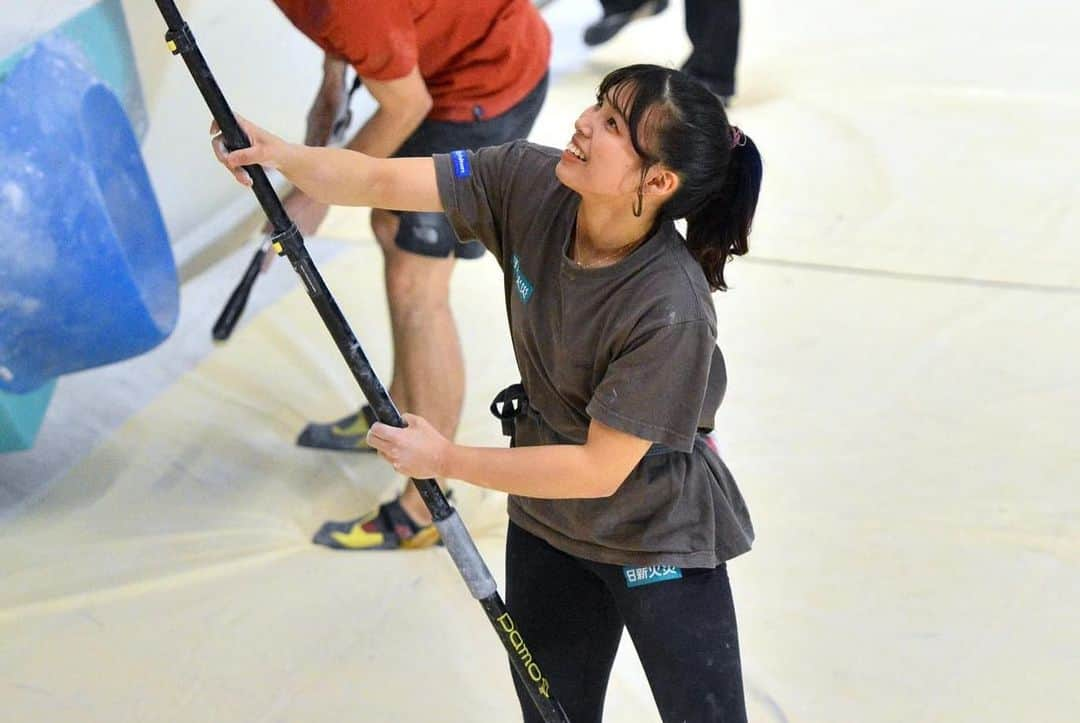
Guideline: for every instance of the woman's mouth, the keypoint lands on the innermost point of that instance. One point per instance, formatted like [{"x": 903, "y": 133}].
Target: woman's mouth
[{"x": 576, "y": 152}]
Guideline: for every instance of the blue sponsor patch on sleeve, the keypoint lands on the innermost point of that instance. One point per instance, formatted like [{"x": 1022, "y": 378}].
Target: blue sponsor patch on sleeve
[
  {"x": 460, "y": 161},
  {"x": 638, "y": 576}
]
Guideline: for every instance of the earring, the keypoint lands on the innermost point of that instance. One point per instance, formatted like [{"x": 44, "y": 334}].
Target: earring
[{"x": 640, "y": 205}]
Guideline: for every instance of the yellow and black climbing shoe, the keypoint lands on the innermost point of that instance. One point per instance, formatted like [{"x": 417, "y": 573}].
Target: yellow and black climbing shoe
[
  {"x": 348, "y": 434},
  {"x": 387, "y": 528}
]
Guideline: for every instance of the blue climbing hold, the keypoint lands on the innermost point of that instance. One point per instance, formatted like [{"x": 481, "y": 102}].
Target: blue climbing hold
[
  {"x": 87, "y": 275},
  {"x": 21, "y": 415}
]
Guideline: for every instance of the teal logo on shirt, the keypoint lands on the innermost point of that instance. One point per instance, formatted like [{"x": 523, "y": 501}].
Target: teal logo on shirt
[
  {"x": 460, "y": 161},
  {"x": 524, "y": 286},
  {"x": 638, "y": 576}
]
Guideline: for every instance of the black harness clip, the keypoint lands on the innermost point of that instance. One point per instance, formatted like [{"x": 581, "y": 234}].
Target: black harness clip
[{"x": 508, "y": 405}]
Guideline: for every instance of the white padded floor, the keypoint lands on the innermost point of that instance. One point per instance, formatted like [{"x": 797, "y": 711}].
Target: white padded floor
[{"x": 902, "y": 417}]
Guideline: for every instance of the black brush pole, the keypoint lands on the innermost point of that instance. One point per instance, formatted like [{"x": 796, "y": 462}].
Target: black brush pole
[
  {"x": 288, "y": 241},
  {"x": 234, "y": 307}
]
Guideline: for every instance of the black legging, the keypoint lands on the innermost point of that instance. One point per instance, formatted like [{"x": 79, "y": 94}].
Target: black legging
[
  {"x": 713, "y": 28},
  {"x": 571, "y": 613}
]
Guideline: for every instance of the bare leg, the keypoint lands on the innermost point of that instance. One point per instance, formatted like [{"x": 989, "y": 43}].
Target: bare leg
[{"x": 429, "y": 369}]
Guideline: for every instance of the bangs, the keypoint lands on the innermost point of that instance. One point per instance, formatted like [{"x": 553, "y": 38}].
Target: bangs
[{"x": 639, "y": 93}]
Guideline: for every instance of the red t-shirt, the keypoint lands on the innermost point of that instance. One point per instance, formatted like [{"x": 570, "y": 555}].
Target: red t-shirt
[{"x": 485, "y": 54}]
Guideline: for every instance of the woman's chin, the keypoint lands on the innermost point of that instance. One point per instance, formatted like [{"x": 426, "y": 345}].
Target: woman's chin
[{"x": 564, "y": 174}]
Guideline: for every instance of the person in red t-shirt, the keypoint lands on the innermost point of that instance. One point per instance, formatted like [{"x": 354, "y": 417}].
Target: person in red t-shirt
[{"x": 447, "y": 75}]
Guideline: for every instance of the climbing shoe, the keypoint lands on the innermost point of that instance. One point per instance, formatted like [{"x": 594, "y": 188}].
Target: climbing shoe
[
  {"x": 386, "y": 528},
  {"x": 348, "y": 434},
  {"x": 608, "y": 26}
]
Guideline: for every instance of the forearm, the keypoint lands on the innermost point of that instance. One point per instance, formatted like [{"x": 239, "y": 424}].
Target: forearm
[
  {"x": 329, "y": 103},
  {"x": 320, "y": 124},
  {"x": 347, "y": 177},
  {"x": 340, "y": 177},
  {"x": 564, "y": 471},
  {"x": 333, "y": 176},
  {"x": 559, "y": 471},
  {"x": 353, "y": 176},
  {"x": 387, "y": 129}
]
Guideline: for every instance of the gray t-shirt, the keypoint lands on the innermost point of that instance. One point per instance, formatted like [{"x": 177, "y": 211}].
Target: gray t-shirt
[{"x": 632, "y": 345}]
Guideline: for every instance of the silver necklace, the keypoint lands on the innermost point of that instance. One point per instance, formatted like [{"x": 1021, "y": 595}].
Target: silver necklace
[{"x": 619, "y": 254}]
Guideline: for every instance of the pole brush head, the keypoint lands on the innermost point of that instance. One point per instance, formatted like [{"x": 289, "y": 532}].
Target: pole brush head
[{"x": 234, "y": 307}]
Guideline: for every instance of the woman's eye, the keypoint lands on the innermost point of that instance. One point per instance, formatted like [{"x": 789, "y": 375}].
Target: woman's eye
[{"x": 613, "y": 124}]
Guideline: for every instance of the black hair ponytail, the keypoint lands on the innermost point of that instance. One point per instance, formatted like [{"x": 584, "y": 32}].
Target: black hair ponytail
[{"x": 719, "y": 227}]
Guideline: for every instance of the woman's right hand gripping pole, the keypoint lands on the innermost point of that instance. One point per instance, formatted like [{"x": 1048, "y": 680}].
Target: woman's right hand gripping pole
[{"x": 266, "y": 149}]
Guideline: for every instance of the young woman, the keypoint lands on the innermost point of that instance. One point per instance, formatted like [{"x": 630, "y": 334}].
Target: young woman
[{"x": 621, "y": 511}]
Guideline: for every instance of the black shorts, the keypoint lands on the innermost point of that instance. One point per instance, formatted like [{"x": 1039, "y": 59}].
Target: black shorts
[{"x": 430, "y": 234}]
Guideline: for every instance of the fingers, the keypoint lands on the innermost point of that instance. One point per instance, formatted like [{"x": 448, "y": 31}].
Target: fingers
[
  {"x": 255, "y": 153},
  {"x": 381, "y": 437},
  {"x": 243, "y": 157},
  {"x": 240, "y": 175},
  {"x": 233, "y": 161},
  {"x": 217, "y": 140},
  {"x": 218, "y": 144},
  {"x": 249, "y": 128}
]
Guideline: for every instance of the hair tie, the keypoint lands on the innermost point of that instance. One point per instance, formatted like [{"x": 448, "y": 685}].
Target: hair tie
[{"x": 737, "y": 137}]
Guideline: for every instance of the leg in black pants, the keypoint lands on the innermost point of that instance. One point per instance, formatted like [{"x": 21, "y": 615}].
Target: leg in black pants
[
  {"x": 568, "y": 619},
  {"x": 685, "y": 635},
  {"x": 571, "y": 613},
  {"x": 713, "y": 27}
]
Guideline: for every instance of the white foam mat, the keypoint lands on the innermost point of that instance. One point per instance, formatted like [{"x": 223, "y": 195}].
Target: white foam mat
[{"x": 902, "y": 416}]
